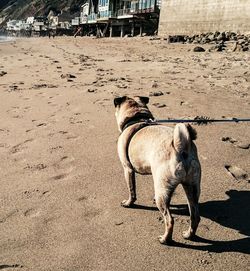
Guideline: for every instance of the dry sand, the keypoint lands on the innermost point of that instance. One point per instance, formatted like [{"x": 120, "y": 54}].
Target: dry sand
[{"x": 62, "y": 182}]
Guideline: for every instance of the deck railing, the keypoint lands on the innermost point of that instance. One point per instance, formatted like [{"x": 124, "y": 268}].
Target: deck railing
[
  {"x": 130, "y": 11},
  {"x": 92, "y": 17},
  {"x": 122, "y": 12}
]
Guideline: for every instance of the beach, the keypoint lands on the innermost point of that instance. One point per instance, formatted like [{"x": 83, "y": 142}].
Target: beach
[{"x": 61, "y": 178}]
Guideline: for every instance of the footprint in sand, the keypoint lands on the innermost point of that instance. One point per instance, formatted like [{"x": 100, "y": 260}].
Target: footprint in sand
[
  {"x": 59, "y": 177},
  {"x": 64, "y": 175},
  {"x": 13, "y": 88},
  {"x": 238, "y": 173},
  {"x": 39, "y": 86},
  {"x": 72, "y": 137},
  {"x": 41, "y": 124},
  {"x": 32, "y": 213},
  {"x": 75, "y": 120},
  {"x": 27, "y": 194},
  {"x": 82, "y": 198},
  {"x": 236, "y": 143},
  {"x": 102, "y": 102},
  {"x": 8, "y": 215},
  {"x": 53, "y": 149},
  {"x": 159, "y": 105},
  {"x": 2, "y": 73},
  {"x": 20, "y": 147},
  {"x": 36, "y": 167},
  {"x": 66, "y": 164},
  {"x": 4, "y": 145},
  {"x": 10, "y": 266}
]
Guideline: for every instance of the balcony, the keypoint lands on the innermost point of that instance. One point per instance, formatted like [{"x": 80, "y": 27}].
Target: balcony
[
  {"x": 103, "y": 15},
  {"x": 124, "y": 12},
  {"x": 92, "y": 18},
  {"x": 83, "y": 19},
  {"x": 129, "y": 12}
]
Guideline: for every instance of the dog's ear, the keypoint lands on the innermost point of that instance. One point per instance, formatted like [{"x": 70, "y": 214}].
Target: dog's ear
[
  {"x": 143, "y": 99},
  {"x": 119, "y": 100}
]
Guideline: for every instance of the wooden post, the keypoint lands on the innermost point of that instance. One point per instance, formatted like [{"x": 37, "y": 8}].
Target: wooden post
[
  {"x": 141, "y": 28},
  {"x": 111, "y": 31},
  {"x": 122, "y": 31},
  {"x": 97, "y": 32},
  {"x": 133, "y": 29}
]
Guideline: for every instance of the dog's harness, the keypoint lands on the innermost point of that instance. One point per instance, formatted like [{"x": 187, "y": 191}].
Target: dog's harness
[{"x": 142, "y": 122}]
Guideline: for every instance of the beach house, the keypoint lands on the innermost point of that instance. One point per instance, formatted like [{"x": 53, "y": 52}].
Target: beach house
[{"x": 119, "y": 17}]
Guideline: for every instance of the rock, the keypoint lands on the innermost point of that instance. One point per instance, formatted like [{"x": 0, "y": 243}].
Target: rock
[
  {"x": 244, "y": 146},
  {"x": 221, "y": 37},
  {"x": 2, "y": 73},
  {"x": 68, "y": 76},
  {"x": 230, "y": 139},
  {"x": 159, "y": 105},
  {"x": 211, "y": 37},
  {"x": 218, "y": 47},
  {"x": 118, "y": 223},
  {"x": 238, "y": 173},
  {"x": 177, "y": 38},
  {"x": 156, "y": 93},
  {"x": 199, "y": 49},
  {"x": 155, "y": 38},
  {"x": 240, "y": 36},
  {"x": 91, "y": 90},
  {"x": 245, "y": 48},
  {"x": 184, "y": 103},
  {"x": 154, "y": 85},
  {"x": 241, "y": 41},
  {"x": 205, "y": 40},
  {"x": 38, "y": 86}
]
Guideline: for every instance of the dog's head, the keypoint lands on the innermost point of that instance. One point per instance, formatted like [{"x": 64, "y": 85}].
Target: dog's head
[{"x": 128, "y": 109}]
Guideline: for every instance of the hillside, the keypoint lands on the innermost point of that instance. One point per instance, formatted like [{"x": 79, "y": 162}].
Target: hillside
[{"x": 18, "y": 9}]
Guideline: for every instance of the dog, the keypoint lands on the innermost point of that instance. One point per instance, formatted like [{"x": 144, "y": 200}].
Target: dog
[{"x": 169, "y": 154}]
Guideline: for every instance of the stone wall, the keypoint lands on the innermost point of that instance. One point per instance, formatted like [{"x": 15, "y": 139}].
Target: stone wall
[{"x": 197, "y": 16}]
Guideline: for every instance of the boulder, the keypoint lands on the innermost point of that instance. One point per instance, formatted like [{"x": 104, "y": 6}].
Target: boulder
[{"x": 199, "y": 49}]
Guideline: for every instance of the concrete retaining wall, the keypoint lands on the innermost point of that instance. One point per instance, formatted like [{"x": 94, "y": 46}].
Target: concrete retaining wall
[{"x": 196, "y": 16}]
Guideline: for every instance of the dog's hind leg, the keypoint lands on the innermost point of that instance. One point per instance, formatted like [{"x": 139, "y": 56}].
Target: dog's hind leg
[
  {"x": 130, "y": 180},
  {"x": 193, "y": 192},
  {"x": 163, "y": 194}
]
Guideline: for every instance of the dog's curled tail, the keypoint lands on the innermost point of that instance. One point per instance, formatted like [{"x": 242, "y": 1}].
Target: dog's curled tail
[{"x": 183, "y": 136}]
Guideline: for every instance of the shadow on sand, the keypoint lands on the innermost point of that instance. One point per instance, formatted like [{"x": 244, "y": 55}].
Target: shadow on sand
[{"x": 232, "y": 213}]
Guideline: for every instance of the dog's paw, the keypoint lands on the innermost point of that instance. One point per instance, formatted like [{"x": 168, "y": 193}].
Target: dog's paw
[
  {"x": 127, "y": 203},
  {"x": 188, "y": 235},
  {"x": 162, "y": 239},
  {"x": 165, "y": 241}
]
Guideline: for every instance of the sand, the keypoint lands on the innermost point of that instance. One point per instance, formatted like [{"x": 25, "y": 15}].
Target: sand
[{"x": 61, "y": 179}]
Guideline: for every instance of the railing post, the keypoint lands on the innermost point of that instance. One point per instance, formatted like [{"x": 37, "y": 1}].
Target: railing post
[
  {"x": 133, "y": 29},
  {"x": 122, "y": 31},
  {"x": 141, "y": 29},
  {"x": 111, "y": 31}
]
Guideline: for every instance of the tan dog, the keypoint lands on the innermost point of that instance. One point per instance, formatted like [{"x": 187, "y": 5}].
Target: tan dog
[{"x": 168, "y": 154}]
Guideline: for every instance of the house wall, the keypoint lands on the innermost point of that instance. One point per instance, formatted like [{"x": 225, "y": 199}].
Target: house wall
[{"x": 196, "y": 16}]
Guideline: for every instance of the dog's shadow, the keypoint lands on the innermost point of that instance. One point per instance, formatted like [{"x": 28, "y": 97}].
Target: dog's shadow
[{"x": 232, "y": 213}]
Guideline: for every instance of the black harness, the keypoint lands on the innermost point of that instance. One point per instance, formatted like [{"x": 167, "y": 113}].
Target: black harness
[
  {"x": 141, "y": 122},
  {"x": 139, "y": 117}
]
